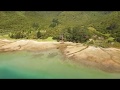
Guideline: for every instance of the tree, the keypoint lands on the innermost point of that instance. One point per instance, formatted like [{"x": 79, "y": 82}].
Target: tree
[
  {"x": 55, "y": 22},
  {"x": 35, "y": 25},
  {"x": 110, "y": 39},
  {"x": 53, "y": 25},
  {"x": 118, "y": 39},
  {"x": 38, "y": 34},
  {"x": 76, "y": 34}
]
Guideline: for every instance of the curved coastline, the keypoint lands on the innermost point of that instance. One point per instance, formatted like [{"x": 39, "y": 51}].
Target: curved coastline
[{"x": 106, "y": 59}]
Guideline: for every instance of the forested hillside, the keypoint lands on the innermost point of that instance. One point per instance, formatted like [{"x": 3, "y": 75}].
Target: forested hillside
[{"x": 76, "y": 26}]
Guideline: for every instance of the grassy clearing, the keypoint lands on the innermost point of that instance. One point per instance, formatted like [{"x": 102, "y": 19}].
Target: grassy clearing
[
  {"x": 4, "y": 37},
  {"x": 116, "y": 45},
  {"x": 47, "y": 39}
]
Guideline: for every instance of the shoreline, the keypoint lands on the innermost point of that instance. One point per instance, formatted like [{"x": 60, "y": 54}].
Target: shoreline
[{"x": 106, "y": 59}]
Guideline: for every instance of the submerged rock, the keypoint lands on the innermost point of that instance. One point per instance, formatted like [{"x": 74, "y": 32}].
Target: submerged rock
[{"x": 51, "y": 55}]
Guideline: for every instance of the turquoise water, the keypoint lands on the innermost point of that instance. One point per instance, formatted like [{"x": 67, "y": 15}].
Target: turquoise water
[{"x": 45, "y": 65}]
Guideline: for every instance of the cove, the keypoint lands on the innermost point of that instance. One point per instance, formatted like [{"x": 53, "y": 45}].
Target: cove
[{"x": 47, "y": 64}]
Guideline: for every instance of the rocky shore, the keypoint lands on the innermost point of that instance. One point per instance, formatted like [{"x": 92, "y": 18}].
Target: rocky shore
[{"x": 107, "y": 59}]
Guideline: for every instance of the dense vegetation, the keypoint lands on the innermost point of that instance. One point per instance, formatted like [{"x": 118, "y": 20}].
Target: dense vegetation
[{"x": 92, "y": 27}]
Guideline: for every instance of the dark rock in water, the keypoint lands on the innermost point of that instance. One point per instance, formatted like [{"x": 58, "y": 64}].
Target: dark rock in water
[
  {"x": 51, "y": 55},
  {"x": 38, "y": 55}
]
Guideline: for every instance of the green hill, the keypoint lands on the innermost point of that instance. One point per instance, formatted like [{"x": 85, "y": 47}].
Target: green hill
[{"x": 28, "y": 24}]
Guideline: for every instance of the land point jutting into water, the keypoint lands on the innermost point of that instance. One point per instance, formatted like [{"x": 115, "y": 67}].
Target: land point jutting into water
[{"x": 59, "y": 44}]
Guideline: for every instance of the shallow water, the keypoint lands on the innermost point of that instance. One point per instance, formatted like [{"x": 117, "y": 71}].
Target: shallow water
[{"x": 42, "y": 65}]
